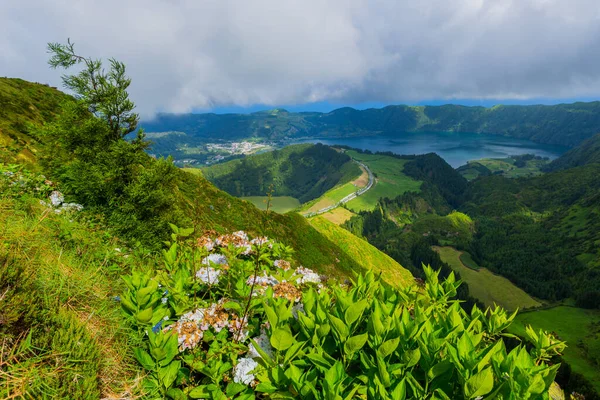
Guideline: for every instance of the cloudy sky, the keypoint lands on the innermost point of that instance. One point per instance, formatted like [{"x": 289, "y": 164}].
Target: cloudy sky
[{"x": 199, "y": 55}]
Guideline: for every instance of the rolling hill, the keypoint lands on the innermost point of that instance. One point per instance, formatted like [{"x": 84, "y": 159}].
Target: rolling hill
[
  {"x": 562, "y": 124},
  {"x": 303, "y": 171},
  {"x": 587, "y": 152}
]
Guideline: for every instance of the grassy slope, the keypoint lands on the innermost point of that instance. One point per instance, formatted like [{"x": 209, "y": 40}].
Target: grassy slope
[
  {"x": 579, "y": 327},
  {"x": 587, "y": 152},
  {"x": 391, "y": 181},
  {"x": 279, "y": 204},
  {"x": 367, "y": 255},
  {"x": 23, "y": 103},
  {"x": 70, "y": 274},
  {"x": 338, "y": 215},
  {"x": 485, "y": 286},
  {"x": 287, "y": 170},
  {"x": 505, "y": 166}
]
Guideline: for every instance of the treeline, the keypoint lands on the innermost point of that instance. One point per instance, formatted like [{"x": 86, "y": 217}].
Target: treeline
[
  {"x": 301, "y": 171},
  {"x": 541, "y": 232}
]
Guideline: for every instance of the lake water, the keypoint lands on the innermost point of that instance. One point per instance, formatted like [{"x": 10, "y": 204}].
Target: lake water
[{"x": 455, "y": 148}]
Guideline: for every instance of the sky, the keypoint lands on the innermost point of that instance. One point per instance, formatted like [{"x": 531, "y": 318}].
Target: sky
[{"x": 317, "y": 55}]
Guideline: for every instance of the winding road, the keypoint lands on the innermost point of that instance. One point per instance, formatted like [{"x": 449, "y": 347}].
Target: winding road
[{"x": 351, "y": 196}]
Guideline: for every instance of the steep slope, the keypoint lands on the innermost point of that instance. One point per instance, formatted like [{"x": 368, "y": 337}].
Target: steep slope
[
  {"x": 303, "y": 171},
  {"x": 369, "y": 257},
  {"x": 562, "y": 124},
  {"x": 23, "y": 104},
  {"x": 587, "y": 152}
]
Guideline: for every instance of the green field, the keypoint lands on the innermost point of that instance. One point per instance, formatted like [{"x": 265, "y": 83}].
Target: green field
[
  {"x": 368, "y": 256},
  {"x": 579, "y": 327},
  {"x": 391, "y": 181},
  {"x": 279, "y": 204},
  {"x": 485, "y": 286},
  {"x": 504, "y": 166},
  {"x": 330, "y": 197}
]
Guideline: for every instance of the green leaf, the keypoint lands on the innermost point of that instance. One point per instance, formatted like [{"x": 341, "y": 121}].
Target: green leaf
[
  {"x": 479, "y": 384},
  {"x": 271, "y": 315},
  {"x": 354, "y": 312},
  {"x": 439, "y": 369},
  {"x": 144, "y": 316},
  {"x": 355, "y": 343},
  {"x": 168, "y": 374},
  {"x": 339, "y": 327},
  {"x": 388, "y": 347},
  {"x": 265, "y": 387},
  {"x": 281, "y": 339},
  {"x": 234, "y": 388},
  {"x": 144, "y": 358},
  {"x": 399, "y": 392}
]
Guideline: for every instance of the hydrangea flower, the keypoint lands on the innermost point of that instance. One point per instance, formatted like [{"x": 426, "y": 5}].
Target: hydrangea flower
[
  {"x": 283, "y": 264},
  {"x": 242, "y": 372},
  {"x": 298, "y": 307},
  {"x": 307, "y": 276},
  {"x": 56, "y": 198},
  {"x": 208, "y": 275},
  {"x": 215, "y": 258}
]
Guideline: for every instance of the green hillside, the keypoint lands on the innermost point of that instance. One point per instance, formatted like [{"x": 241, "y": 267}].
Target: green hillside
[
  {"x": 526, "y": 165},
  {"x": 562, "y": 124},
  {"x": 23, "y": 104},
  {"x": 369, "y": 257},
  {"x": 302, "y": 171},
  {"x": 587, "y": 152},
  {"x": 492, "y": 290}
]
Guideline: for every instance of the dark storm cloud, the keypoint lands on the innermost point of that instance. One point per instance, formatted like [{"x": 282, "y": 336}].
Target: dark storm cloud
[{"x": 185, "y": 55}]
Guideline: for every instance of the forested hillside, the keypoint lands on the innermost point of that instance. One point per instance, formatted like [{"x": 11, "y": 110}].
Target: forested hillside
[
  {"x": 562, "y": 124},
  {"x": 587, "y": 152},
  {"x": 301, "y": 171}
]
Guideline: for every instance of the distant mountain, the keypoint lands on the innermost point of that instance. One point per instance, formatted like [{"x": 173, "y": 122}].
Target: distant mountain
[
  {"x": 587, "y": 152},
  {"x": 562, "y": 124}
]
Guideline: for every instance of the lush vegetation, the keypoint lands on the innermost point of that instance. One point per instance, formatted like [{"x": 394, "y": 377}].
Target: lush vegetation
[
  {"x": 488, "y": 288},
  {"x": 279, "y": 204},
  {"x": 207, "y": 335},
  {"x": 368, "y": 256},
  {"x": 304, "y": 172},
  {"x": 24, "y": 105},
  {"x": 564, "y": 124},
  {"x": 579, "y": 327},
  {"x": 587, "y": 152},
  {"x": 526, "y": 165},
  {"x": 391, "y": 181},
  {"x": 556, "y": 216}
]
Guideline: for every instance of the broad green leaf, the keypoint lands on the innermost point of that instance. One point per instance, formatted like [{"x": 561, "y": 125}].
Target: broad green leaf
[
  {"x": 355, "y": 343},
  {"x": 388, "y": 347},
  {"x": 439, "y": 369},
  {"x": 479, "y": 384},
  {"x": 144, "y": 316},
  {"x": 234, "y": 388},
  {"x": 339, "y": 327},
  {"x": 168, "y": 374},
  {"x": 281, "y": 339},
  {"x": 144, "y": 359},
  {"x": 265, "y": 387},
  {"x": 354, "y": 312},
  {"x": 399, "y": 392}
]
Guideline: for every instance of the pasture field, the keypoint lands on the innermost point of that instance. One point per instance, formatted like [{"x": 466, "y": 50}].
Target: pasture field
[
  {"x": 368, "y": 256},
  {"x": 279, "y": 204},
  {"x": 330, "y": 197},
  {"x": 390, "y": 180},
  {"x": 505, "y": 166},
  {"x": 486, "y": 286},
  {"x": 338, "y": 215},
  {"x": 579, "y": 327}
]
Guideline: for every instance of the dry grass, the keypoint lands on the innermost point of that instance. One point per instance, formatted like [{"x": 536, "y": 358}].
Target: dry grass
[{"x": 338, "y": 215}]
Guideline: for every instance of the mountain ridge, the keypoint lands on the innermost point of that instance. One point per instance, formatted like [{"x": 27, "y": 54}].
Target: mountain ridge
[{"x": 566, "y": 124}]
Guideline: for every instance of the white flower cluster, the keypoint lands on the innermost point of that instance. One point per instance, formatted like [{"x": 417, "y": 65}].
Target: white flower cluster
[
  {"x": 57, "y": 203},
  {"x": 263, "y": 342},
  {"x": 307, "y": 276},
  {"x": 208, "y": 275},
  {"x": 264, "y": 280},
  {"x": 191, "y": 326},
  {"x": 215, "y": 258},
  {"x": 242, "y": 372}
]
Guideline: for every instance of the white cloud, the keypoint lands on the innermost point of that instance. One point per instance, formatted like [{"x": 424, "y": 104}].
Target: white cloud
[{"x": 191, "y": 54}]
